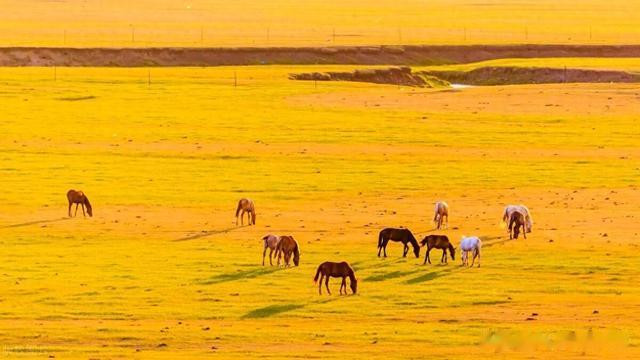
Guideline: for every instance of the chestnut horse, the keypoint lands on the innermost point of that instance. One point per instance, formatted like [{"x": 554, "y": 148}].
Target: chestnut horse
[
  {"x": 246, "y": 206},
  {"x": 401, "y": 235},
  {"x": 442, "y": 210},
  {"x": 270, "y": 242},
  {"x": 79, "y": 198},
  {"x": 332, "y": 269},
  {"x": 438, "y": 242},
  {"x": 517, "y": 220},
  {"x": 287, "y": 246}
]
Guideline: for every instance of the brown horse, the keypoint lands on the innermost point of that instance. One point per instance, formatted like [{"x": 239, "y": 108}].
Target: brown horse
[
  {"x": 516, "y": 221},
  {"x": 287, "y": 246},
  {"x": 246, "y": 206},
  {"x": 79, "y": 198},
  {"x": 402, "y": 235},
  {"x": 438, "y": 242},
  {"x": 332, "y": 269},
  {"x": 270, "y": 242},
  {"x": 441, "y": 211}
]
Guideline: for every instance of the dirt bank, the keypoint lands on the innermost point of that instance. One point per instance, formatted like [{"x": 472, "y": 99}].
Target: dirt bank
[
  {"x": 529, "y": 75},
  {"x": 367, "y": 55},
  {"x": 394, "y": 76}
]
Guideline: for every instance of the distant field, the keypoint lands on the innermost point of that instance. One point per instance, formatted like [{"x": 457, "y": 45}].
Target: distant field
[
  {"x": 164, "y": 153},
  {"x": 625, "y": 64},
  {"x": 316, "y": 22}
]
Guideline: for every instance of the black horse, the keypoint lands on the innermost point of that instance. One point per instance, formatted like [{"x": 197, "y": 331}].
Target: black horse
[{"x": 402, "y": 235}]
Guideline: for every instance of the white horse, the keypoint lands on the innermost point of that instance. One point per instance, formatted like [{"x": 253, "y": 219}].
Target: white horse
[
  {"x": 473, "y": 244},
  {"x": 270, "y": 242},
  {"x": 441, "y": 210},
  {"x": 510, "y": 209}
]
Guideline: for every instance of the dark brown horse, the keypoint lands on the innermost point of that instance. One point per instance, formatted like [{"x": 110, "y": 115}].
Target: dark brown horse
[
  {"x": 402, "y": 235},
  {"x": 438, "y": 242},
  {"x": 79, "y": 198},
  {"x": 516, "y": 221},
  {"x": 246, "y": 206},
  {"x": 332, "y": 269},
  {"x": 288, "y": 246}
]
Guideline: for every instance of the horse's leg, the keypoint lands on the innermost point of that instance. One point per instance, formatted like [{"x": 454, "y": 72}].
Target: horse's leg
[
  {"x": 76, "y": 213},
  {"x": 270, "y": 259},
  {"x": 384, "y": 246},
  {"x": 426, "y": 258},
  {"x": 406, "y": 250},
  {"x": 443, "y": 259},
  {"x": 83, "y": 214},
  {"x": 69, "y": 208},
  {"x": 320, "y": 283},
  {"x": 326, "y": 284},
  {"x": 264, "y": 253},
  {"x": 524, "y": 231},
  {"x": 341, "y": 285}
]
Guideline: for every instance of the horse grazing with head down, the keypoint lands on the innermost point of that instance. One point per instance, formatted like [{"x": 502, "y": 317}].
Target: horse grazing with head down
[
  {"x": 288, "y": 246},
  {"x": 79, "y": 198},
  {"x": 516, "y": 221},
  {"x": 401, "y": 235},
  {"x": 441, "y": 210},
  {"x": 270, "y": 242},
  {"x": 246, "y": 206},
  {"x": 510, "y": 209},
  {"x": 438, "y": 242},
  {"x": 332, "y": 269},
  {"x": 471, "y": 244}
]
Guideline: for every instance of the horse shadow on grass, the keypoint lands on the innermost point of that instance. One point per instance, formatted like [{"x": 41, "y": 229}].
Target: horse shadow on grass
[
  {"x": 36, "y": 222},
  {"x": 432, "y": 275},
  {"x": 277, "y": 309},
  {"x": 206, "y": 233},
  {"x": 239, "y": 275}
]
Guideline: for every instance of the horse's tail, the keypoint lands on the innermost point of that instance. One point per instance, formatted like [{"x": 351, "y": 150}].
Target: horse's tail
[{"x": 315, "y": 279}]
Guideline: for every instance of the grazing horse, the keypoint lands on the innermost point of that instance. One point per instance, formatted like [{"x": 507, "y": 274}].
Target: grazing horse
[
  {"x": 442, "y": 210},
  {"x": 246, "y": 206},
  {"x": 438, "y": 242},
  {"x": 287, "y": 246},
  {"x": 79, "y": 198},
  {"x": 516, "y": 221},
  {"x": 270, "y": 242},
  {"x": 332, "y": 269},
  {"x": 510, "y": 209},
  {"x": 473, "y": 244},
  {"x": 402, "y": 235}
]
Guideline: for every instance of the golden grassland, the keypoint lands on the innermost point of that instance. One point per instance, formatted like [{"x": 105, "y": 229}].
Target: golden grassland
[
  {"x": 162, "y": 271},
  {"x": 315, "y": 22}
]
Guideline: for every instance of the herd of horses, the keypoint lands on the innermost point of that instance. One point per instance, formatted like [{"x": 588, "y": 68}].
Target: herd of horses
[{"x": 515, "y": 216}]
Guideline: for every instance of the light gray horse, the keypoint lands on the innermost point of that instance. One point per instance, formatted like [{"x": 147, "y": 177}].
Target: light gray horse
[{"x": 271, "y": 242}]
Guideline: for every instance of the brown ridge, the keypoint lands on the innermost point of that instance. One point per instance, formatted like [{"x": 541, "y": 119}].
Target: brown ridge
[{"x": 365, "y": 55}]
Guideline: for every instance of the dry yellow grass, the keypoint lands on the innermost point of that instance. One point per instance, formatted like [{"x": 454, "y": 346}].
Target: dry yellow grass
[
  {"x": 315, "y": 22},
  {"x": 161, "y": 271}
]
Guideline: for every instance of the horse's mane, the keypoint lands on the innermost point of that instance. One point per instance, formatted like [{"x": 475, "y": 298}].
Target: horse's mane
[
  {"x": 87, "y": 203},
  {"x": 412, "y": 239},
  {"x": 296, "y": 253}
]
